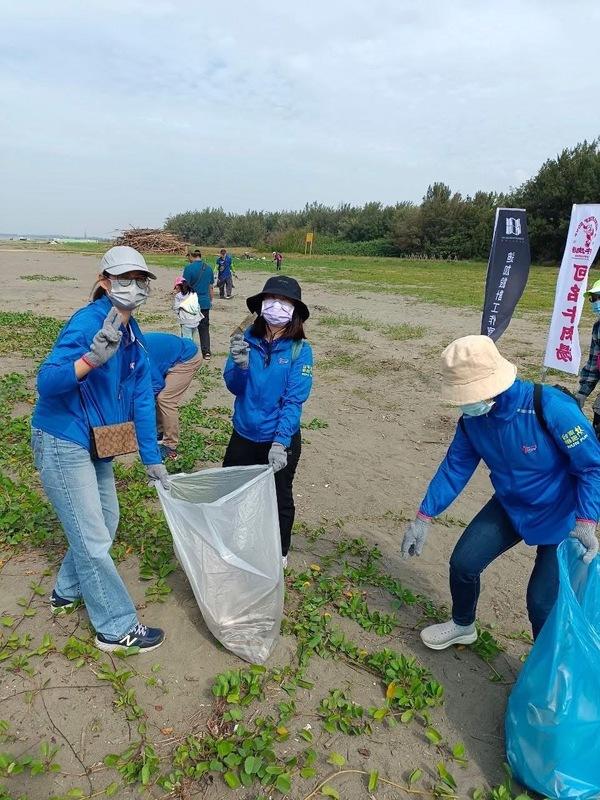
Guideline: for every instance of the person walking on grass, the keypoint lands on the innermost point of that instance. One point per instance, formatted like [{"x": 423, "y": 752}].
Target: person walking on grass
[
  {"x": 544, "y": 463},
  {"x": 269, "y": 370},
  {"x": 200, "y": 277},
  {"x": 97, "y": 374},
  {"x": 590, "y": 373},
  {"x": 187, "y": 308},
  {"x": 224, "y": 274},
  {"x": 173, "y": 363},
  {"x": 277, "y": 259}
]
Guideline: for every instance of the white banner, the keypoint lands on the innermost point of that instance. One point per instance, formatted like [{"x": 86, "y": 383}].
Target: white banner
[{"x": 563, "y": 351}]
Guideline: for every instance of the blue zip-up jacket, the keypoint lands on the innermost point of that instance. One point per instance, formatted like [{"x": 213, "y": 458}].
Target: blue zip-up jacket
[
  {"x": 269, "y": 394},
  {"x": 543, "y": 483},
  {"x": 165, "y": 350},
  {"x": 118, "y": 391},
  {"x": 224, "y": 265}
]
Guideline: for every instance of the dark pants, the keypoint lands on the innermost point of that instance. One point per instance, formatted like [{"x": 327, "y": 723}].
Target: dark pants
[
  {"x": 204, "y": 333},
  {"x": 227, "y": 284},
  {"x": 596, "y": 424},
  {"x": 242, "y": 452},
  {"x": 490, "y": 534}
]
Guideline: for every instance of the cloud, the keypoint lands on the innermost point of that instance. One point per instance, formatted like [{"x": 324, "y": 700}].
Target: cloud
[{"x": 118, "y": 113}]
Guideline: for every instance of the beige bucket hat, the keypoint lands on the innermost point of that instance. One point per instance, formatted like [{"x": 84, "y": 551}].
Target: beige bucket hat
[{"x": 474, "y": 370}]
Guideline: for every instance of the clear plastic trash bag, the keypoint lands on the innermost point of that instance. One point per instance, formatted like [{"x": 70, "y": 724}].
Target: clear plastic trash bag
[
  {"x": 553, "y": 714},
  {"x": 225, "y": 531}
]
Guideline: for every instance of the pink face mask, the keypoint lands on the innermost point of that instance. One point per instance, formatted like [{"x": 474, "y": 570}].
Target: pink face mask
[{"x": 277, "y": 312}]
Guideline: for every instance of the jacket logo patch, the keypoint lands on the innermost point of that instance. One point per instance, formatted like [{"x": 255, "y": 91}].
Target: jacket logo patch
[
  {"x": 529, "y": 448},
  {"x": 284, "y": 360},
  {"x": 307, "y": 370},
  {"x": 574, "y": 437}
]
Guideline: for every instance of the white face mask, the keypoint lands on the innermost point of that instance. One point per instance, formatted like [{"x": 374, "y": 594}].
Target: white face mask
[
  {"x": 277, "y": 312},
  {"x": 127, "y": 297}
]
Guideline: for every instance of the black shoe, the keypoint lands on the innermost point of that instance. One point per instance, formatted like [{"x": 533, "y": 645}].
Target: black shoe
[
  {"x": 59, "y": 606},
  {"x": 141, "y": 636}
]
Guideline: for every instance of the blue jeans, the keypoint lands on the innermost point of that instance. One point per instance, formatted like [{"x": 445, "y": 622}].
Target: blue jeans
[
  {"x": 190, "y": 333},
  {"x": 490, "y": 534},
  {"x": 84, "y": 498}
]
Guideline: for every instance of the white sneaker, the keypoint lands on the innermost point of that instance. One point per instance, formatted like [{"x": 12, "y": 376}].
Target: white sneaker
[
  {"x": 439, "y": 637},
  {"x": 284, "y": 561}
]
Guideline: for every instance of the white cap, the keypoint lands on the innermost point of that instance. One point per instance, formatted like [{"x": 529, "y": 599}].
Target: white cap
[{"x": 121, "y": 259}]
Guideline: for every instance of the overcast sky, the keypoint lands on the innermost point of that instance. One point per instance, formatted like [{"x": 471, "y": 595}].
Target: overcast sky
[{"x": 121, "y": 112}]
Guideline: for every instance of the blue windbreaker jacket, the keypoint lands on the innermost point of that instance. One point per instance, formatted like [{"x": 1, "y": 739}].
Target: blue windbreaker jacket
[
  {"x": 118, "y": 391},
  {"x": 165, "y": 350},
  {"x": 543, "y": 483},
  {"x": 270, "y": 393}
]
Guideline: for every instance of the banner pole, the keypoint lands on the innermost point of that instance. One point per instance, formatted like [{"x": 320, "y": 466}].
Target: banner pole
[{"x": 543, "y": 374}]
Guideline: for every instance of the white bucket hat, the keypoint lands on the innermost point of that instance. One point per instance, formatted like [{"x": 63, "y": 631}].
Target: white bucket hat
[
  {"x": 474, "y": 370},
  {"x": 121, "y": 259}
]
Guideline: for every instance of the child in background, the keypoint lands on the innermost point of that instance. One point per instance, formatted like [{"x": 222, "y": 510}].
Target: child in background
[{"x": 187, "y": 308}]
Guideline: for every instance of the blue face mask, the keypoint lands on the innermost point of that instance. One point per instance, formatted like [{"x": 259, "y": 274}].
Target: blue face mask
[
  {"x": 596, "y": 307},
  {"x": 477, "y": 409}
]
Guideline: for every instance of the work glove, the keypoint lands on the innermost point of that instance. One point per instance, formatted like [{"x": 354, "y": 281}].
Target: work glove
[
  {"x": 415, "y": 536},
  {"x": 240, "y": 350},
  {"x": 581, "y": 398},
  {"x": 585, "y": 532},
  {"x": 158, "y": 472},
  {"x": 106, "y": 342},
  {"x": 277, "y": 457}
]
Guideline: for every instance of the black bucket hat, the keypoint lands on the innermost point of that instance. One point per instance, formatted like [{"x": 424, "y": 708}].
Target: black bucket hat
[{"x": 283, "y": 286}]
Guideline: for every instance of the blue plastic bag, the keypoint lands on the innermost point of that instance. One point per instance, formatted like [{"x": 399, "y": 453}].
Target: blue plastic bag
[{"x": 553, "y": 714}]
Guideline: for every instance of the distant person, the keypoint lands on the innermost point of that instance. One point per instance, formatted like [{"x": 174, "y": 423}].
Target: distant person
[
  {"x": 269, "y": 370},
  {"x": 224, "y": 274},
  {"x": 544, "y": 464},
  {"x": 187, "y": 308},
  {"x": 277, "y": 259},
  {"x": 173, "y": 363},
  {"x": 97, "y": 374},
  {"x": 590, "y": 373},
  {"x": 200, "y": 278}
]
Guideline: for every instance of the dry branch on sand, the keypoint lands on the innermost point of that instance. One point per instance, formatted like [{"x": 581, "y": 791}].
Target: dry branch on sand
[{"x": 153, "y": 240}]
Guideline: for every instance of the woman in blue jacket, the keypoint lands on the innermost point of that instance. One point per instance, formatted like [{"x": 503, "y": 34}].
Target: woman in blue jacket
[
  {"x": 269, "y": 370},
  {"x": 544, "y": 463},
  {"x": 97, "y": 374}
]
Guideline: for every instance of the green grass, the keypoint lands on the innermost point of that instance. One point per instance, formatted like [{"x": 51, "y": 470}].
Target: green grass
[{"x": 400, "y": 332}]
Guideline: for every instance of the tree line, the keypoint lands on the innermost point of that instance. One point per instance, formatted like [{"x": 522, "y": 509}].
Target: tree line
[{"x": 445, "y": 224}]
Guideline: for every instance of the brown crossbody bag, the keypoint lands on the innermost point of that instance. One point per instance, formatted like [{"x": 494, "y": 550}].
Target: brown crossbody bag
[{"x": 107, "y": 441}]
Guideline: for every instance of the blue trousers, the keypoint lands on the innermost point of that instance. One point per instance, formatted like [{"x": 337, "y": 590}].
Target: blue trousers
[
  {"x": 84, "y": 497},
  {"x": 490, "y": 534}
]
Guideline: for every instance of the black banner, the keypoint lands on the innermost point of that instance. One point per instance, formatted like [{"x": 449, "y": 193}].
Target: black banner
[{"x": 508, "y": 270}]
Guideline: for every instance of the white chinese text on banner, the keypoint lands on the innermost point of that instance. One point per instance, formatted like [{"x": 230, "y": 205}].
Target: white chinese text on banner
[{"x": 563, "y": 351}]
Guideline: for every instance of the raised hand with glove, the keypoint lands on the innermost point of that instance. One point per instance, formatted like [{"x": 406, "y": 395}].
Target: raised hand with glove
[
  {"x": 278, "y": 457},
  {"x": 106, "y": 342},
  {"x": 240, "y": 350},
  {"x": 158, "y": 472},
  {"x": 585, "y": 532},
  {"x": 415, "y": 536}
]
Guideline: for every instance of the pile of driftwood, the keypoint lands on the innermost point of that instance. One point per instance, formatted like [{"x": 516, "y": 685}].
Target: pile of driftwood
[{"x": 153, "y": 240}]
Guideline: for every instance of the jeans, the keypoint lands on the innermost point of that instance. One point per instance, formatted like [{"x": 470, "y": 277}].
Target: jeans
[
  {"x": 242, "y": 452},
  {"x": 190, "y": 333},
  {"x": 490, "y": 534},
  {"x": 204, "y": 333},
  {"x": 84, "y": 497}
]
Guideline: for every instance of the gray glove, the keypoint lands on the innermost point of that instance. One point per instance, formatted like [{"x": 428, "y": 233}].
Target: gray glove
[
  {"x": 158, "y": 472},
  {"x": 581, "y": 398},
  {"x": 277, "y": 457},
  {"x": 414, "y": 537},
  {"x": 106, "y": 342},
  {"x": 585, "y": 532},
  {"x": 240, "y": 350}
]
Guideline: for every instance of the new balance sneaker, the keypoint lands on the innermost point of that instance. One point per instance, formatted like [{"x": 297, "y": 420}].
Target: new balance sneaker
[
  {"x": 167, "y": 453},
  {"x": 59, "y": 605},
  {"x": 140, "y": 636},
  {"x": 439, "y": 637}
]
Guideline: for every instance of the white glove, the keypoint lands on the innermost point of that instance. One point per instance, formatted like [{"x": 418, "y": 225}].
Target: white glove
[
  {"x": 240, "y": 350},
  {"x": 585, "y": 532},
  {"x": 158, "y": 472},
  {"x": 415, "y": 537},
  {"x": 277, "y": 457}
]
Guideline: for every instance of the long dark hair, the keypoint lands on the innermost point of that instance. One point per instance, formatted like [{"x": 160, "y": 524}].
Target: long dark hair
[
  {"x": 293, "y": 330},
  {"x": 97, "y": 290}
]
